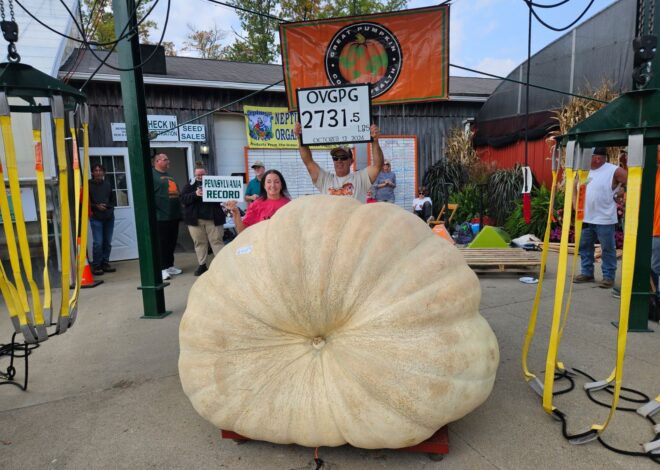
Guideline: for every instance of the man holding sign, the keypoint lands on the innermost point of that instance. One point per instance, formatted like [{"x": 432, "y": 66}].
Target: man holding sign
[
  {"x": 205, "y": 220},
  {"x": 343, "y": 182}
]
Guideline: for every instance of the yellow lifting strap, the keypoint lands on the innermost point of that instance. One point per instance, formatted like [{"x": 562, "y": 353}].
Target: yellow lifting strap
[
  {"x": 57, "y": 107},
  {"x": 583, "y": 164},
  {"x": 43, "y": 211},
  {"x": 635, "y": 167},
  {"x": 572, "y": 151},
  {"x": 10, "y": 295},
  {"x": 82, "y": 209},
  {"x": 15, "y": 306},
  {"x": 534, "y": 382},
  {"x": 21, "y": 233}
]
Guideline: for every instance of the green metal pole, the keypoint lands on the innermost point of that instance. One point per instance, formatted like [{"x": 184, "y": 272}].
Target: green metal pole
[
  {"x": 639, "y": 301},
  {"x": 135, "y": 115}
]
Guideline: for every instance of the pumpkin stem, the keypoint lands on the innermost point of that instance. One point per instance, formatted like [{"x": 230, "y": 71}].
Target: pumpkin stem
[
  {"x": 318, "y": 342},
  {"x": 359, "y": 37}
]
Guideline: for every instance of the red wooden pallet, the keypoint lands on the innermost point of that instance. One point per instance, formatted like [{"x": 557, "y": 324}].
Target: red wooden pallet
[{"x": 437, "y": 444}]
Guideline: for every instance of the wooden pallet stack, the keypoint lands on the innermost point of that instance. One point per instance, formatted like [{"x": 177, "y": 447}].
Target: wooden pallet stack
[{"x": 501, "y": 259}]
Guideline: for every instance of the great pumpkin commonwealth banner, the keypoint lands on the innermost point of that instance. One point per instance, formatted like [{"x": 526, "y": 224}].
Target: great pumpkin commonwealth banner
[{"x": 403, "y": 54}]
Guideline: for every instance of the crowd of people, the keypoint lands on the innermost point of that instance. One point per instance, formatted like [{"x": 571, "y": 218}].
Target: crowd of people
[{"x": 267, "y": 192}]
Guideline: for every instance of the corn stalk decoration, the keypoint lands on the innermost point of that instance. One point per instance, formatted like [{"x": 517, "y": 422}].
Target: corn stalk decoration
[{"x": 577, "y": 110}]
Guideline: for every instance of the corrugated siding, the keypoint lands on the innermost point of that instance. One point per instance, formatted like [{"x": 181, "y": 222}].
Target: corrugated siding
[{"x": 539, "y": 153}]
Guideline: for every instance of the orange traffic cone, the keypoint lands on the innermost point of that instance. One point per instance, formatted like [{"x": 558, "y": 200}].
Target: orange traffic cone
[
  {"x": 442, "y": 231},
  {"x": 88, "y": 278}
]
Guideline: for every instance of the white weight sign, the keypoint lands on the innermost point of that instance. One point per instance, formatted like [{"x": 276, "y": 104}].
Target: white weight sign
[
  {"x": 335, "y": 115},
  {"x": 222, "y": 188}
]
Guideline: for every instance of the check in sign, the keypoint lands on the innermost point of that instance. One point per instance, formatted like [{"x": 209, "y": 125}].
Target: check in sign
[
  {"x": 335, "y": 115},
  {"x": 222, "y": 188}
]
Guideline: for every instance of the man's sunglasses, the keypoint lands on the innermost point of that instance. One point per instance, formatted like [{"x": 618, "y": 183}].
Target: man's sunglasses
[{"x": 342, "y": 158}]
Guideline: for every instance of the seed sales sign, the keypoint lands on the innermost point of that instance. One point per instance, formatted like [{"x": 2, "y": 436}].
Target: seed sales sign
[
  {"x": 222, "y": 188},
  {"x": 335, "y": 115}
]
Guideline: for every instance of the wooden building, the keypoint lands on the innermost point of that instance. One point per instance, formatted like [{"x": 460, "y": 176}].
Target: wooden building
[{"x": 178, "y": 89}]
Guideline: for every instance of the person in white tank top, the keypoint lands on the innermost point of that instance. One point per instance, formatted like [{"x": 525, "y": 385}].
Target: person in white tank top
[{"x": 604, "y": 185}]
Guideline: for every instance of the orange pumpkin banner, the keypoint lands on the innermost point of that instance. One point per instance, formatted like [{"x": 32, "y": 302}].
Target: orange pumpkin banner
[{"x": 404, "y": 55}]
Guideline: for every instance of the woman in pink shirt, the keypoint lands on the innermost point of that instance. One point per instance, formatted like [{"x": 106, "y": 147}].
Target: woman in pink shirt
[{"x": 273, "y": 196}]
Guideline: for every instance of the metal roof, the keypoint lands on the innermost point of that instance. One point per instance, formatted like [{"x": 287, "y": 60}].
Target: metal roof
[{"x": 192, "y": 71}]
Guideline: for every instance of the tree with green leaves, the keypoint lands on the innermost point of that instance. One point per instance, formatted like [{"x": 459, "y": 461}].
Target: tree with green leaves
[
  {"x": 301, "y": 10},
  {"x": 206, "y": 43},
  {"x": 259, "y": 44},
  {"x": 99, "y": 21}
]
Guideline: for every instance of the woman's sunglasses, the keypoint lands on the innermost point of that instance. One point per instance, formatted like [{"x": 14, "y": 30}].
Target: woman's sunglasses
[{"x": 343, "y": 158}]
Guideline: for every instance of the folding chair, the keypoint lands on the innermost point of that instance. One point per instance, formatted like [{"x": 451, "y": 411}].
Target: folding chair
[{"x": 440, "y": 219}]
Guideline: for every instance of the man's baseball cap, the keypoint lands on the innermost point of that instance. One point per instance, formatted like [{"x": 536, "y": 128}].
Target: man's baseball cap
[
  {"x": 339, "y": 151},
  {"x": 258, "y": 163},
  {"x": 600, "y": 151}
]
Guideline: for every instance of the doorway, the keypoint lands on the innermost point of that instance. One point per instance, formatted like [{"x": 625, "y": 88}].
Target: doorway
[
  {"x": 124, "y": 237},
  {"x": 181, "y": 169},
  {"x": 115, "y": 161}
]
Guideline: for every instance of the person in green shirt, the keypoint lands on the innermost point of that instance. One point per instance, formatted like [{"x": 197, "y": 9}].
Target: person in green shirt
[
  {"x": 168, "y": 213},
  {"x": 253, "y": 190}
]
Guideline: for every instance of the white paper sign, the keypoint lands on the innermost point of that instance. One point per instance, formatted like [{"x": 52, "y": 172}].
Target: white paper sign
[
  {"x": 192, "y": 133},
  {"x": 160, "y": 123},
  {"x": 222, "y": 188},
  {"x": 335, "y": 115},
  {"x": 156, "y": 123},
  {"x": 118, "y": 131},
  {"x": 28, "y": 203}
]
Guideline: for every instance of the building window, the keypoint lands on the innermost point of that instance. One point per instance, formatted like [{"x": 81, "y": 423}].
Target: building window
[{"x": 115, "y": 173}]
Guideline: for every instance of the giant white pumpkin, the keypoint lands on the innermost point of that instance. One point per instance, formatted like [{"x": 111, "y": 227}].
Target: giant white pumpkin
[{"x": 337, "y": 322}]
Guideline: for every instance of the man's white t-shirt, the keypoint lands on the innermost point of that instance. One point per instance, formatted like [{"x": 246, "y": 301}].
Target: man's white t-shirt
[
  {"x": 418, "y": 202},
  {"x": 353, "y": 185},
  {"x": 599, "y": 205}
]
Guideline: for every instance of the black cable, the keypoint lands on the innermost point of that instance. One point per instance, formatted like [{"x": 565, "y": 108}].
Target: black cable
[
  {"x": 608, "y": 405},
  {"x": 564, "y": 375},
  {"x": 104, "y": 61},
  {"x": 246, "y": 10},
  {"x": 196, "y": 118},
  {"x": 506, "y": 79},
  {"x": 562, "y": 417},
  {"x": 141, "y": 64},
  {"x": 554, "y": 5},
  {"x": 91, "y": 27},
  {"x": 529, "y": 67},
  {"x": 559, "y": 30},
  {"x": 130, "y": 35},
  {"x": 645, "y": 397},
  {"x": 654, "y": 457}
]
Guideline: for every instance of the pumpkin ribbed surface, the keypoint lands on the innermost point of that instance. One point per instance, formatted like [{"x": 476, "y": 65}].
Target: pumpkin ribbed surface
[{"x": 337, "y": 322}]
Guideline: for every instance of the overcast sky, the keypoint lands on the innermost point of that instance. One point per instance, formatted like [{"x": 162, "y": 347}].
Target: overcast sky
[{"x": 487, "y": 35}]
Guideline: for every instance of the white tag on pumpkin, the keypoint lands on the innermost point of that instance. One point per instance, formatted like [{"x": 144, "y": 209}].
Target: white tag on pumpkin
[{"x": 244, "y": 250}]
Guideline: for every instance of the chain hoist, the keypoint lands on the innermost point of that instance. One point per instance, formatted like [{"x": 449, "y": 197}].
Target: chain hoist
[
  {"x": 644, "y": 44},
  {"x": 10, "y": 31},
  {"x": 640, "y": 17}
]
